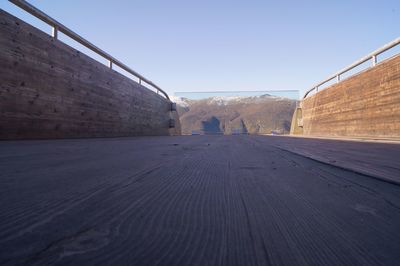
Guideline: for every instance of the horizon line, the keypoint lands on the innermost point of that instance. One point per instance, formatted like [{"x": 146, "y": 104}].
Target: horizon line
[{"x": 231, "y": 91}]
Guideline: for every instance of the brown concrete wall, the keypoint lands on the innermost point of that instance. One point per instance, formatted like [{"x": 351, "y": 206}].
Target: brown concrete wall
[
  {"x": 364, "y": 105},
  {"x": 50, "y": 90},
  {"x": 296, "y": 127}
]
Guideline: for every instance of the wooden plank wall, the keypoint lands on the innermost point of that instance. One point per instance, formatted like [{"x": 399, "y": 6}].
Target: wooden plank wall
[
  {"x": 364, "y": 105},
  {"x": 50, "y": 90}
]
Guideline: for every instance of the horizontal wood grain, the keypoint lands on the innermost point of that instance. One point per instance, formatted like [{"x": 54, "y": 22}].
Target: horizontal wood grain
[
  {"x": 50, "y": 90},
  {"x": 364, "y": 105}
]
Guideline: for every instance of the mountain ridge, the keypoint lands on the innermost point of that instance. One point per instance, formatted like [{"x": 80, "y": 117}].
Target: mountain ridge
[{"x": 264, "y": 114}]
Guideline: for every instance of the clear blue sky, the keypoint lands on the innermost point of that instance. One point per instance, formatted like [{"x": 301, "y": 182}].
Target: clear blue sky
[{"x": 229, "y": 45}]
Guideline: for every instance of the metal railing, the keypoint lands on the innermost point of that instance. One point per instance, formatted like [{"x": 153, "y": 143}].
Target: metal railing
[
  {"x": 57, "y": 26},
  {"x": 372, "y": 56}
]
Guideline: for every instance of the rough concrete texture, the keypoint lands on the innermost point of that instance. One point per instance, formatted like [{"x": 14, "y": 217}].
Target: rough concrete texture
[
  {"x": 196, "y": 200},
  {"x": 50, "y": 90},
  {"x": 364, "y": 105}
]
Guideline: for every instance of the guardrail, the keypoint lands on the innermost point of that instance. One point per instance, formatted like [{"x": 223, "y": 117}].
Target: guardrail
[
  {"x": 57, "y": 26},
  {"x": 372, "y": 56}
]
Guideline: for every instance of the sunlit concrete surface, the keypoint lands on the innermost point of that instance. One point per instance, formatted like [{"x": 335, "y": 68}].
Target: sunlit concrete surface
[{"x": 198, "y": 200}]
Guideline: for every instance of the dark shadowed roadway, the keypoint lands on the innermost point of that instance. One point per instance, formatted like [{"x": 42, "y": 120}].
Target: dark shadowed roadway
[{"x": 199, "y": 200}]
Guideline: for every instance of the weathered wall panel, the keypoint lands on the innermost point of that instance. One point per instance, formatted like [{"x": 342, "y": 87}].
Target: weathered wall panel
[
  {"x": 364, "y": 105},
  {"x": 50, "y": 90},
  {"x": 296, "y": 127}
]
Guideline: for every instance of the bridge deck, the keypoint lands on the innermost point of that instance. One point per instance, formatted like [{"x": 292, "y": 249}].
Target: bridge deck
[{"x": 204, "y": 200}]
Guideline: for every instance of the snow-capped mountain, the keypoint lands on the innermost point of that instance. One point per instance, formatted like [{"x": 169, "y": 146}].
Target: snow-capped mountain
[{"x": 232, "y": 114}]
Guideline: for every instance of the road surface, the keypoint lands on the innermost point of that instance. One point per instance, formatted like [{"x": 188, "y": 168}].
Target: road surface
[{"x": 198, "y": 200}]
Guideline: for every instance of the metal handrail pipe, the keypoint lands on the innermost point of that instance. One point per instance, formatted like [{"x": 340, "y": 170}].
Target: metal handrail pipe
[
  {"x": 366, "y": 58},
  {"x": 57, "y": 26}
]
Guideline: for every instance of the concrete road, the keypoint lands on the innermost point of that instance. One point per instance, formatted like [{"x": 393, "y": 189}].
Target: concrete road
[{"x": 201, "y": 200}]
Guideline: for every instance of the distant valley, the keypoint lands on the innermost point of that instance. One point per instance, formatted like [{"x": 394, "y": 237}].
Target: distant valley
[{"x": 236, "y": 115}]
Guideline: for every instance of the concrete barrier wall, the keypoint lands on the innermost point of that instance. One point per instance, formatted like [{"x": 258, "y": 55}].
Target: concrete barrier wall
[
  {"x": 50, "y": 90},
  {"x": 296, "y": 127},
  {"x": 364, "y": 105}
]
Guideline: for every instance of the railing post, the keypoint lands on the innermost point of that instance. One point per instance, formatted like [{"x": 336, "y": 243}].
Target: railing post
[
  {"x": 373, "y": 60},
  {"x": 56, "y": 26},
  {"x": 54, "y": 32},
  {"x": 372, "y": 56}
]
